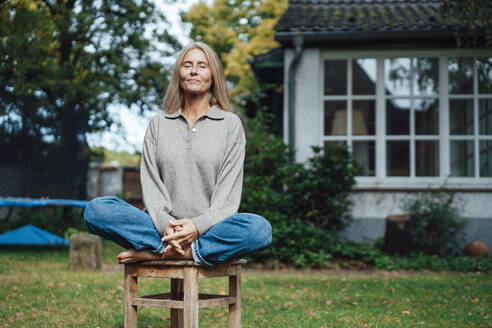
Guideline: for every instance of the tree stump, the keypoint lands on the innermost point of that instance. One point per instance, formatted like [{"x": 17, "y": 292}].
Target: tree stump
[
  {"x": 398, "y": 238},
  {"x": 85, "y": 252}
]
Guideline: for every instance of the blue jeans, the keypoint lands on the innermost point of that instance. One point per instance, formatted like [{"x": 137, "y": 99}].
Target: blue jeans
[{"x": 127, "y": 226}]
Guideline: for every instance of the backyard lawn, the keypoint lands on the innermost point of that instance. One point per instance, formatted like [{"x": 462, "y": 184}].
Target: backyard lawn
[{"x": 38, "y": 290}]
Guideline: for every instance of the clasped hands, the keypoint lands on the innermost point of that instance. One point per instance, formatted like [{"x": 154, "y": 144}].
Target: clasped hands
[{"x": 179, "y": 234}]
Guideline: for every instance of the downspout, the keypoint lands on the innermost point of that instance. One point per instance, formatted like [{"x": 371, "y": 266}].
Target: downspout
[{"x": 298, "y": 42}]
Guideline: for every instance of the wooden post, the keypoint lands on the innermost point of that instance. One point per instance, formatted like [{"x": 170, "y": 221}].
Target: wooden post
[
  {"x": 176, "y": 314},
  {"x": 235, "y": 290},
  {"x": 190, "y": 311},
  {"x": 131, "y": 287}
]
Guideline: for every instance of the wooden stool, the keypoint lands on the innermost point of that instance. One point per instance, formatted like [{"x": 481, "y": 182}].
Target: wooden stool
[{"x": 184, "y": 298}]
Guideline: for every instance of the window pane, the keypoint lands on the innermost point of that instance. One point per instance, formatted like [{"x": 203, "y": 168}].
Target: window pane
[
  {"x": 397, "y": 116},
  {"x": 461, "y": 116},
  {"x": 461, "y": 158},
  {"x": 335, "y": 118},
  {"x": 397, "y": 76},
  {"x": 485, "y": 116},
  {"x": 460, "y": 75},
  {"x": 486, "y": 158},
  {"x": 425, "y": 76},
  {"x": 363, "y": 152},
  {"x": 397, "y": 160},
  {"x": 334, "y": 142},
  {"x": 364, "y": 76},
  {"x": 363, "y": 117},
  {"x": 484, "y": 69},
  {"x": 426, "y": 117},
  {"x": 427, "y": 158},
  {"x": 336, "y": 77}
]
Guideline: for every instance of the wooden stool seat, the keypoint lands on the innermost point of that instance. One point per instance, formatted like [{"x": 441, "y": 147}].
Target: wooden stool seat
[{"x": 183, "y": 299}]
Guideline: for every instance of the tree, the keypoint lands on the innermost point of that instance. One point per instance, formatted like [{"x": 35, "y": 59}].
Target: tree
[
  {"x": 473, "y": 19},
  {"x": 237, "y": 30},
  {"x": 62, "y": 63}
]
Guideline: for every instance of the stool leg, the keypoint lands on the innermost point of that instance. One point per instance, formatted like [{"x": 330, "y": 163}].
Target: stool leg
[
  {"x": 235, "y": 290},
  {"x": 176, "y": 314},
  {"x": 131, "y": 286},
  {"x": 190, "y": 311}
]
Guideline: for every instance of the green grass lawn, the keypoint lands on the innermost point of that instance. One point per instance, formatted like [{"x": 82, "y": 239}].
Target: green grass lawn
[{"x": 38, "y": 290}]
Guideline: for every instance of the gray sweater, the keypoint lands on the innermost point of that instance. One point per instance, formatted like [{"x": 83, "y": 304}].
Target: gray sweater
[{"x": 193, "y": 173}]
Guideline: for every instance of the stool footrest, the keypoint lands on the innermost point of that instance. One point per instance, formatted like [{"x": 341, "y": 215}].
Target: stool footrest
[
  {"x": 164, "y": 300},
  {"x": 150, "y": 302},
  {"x": 210, "y": 300}
]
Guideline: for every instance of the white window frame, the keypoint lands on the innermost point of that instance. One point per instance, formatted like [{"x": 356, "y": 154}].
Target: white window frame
[{"x": 380, "y": 181}]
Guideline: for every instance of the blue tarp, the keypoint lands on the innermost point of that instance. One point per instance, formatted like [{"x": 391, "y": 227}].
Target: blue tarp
[
  {"x": 32, "y": 202},
  {"x": 30, "y": 235}
]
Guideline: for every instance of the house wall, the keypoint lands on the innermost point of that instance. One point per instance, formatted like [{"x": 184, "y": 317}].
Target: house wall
[
  {"x": 104, "y": 181},
  {"x": 370, "y": 208},
  {"x": 308, "y": 102}
]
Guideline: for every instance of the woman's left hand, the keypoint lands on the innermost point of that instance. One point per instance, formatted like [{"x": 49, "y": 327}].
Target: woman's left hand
[{"x": 184, "y": 237}]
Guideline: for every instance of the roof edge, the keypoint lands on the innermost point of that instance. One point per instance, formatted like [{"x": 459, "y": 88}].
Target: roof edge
[{"x": 321, "y": 37}]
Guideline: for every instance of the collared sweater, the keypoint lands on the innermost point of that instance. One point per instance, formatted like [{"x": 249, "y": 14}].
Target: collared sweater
[{"x": 194, "y": 173}]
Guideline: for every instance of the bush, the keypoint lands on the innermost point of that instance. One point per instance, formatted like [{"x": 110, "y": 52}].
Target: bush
[
  {"x": 306, "y": 205},
  {"x": 421, "y": 261},
  {"x": 295, "y": 242},
  {"x": 320, "y": 191},
  {"x": 51, "y": 219},
  {"x": 371, "y": 254},
  {"x": 435, "y": 222}
]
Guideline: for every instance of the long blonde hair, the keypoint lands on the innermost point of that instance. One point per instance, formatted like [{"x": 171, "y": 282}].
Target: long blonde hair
[{"x": 174, "y": 99}]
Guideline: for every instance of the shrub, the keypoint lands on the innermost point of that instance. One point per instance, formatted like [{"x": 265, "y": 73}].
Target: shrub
[
  {"x": 304, "y": 204},
  {"x": 372, "y": 254},
  {"x": 435, "y": 221},
  {"x": 51, "y": 219},
  {"x": 320, "y": 191}
]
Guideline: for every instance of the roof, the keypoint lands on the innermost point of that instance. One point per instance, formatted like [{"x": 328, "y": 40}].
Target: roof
[
  {"x": 30, "y": 235},
  {"x": 268, "y": 67},
  {"x": 344, "y": 20}
]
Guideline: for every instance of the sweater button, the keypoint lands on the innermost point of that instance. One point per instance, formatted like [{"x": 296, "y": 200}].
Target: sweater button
[{"x": 193, "y": 130}]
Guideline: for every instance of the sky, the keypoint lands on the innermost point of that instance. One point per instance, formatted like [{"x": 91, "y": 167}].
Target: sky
[{"x": 129, "y": 133}]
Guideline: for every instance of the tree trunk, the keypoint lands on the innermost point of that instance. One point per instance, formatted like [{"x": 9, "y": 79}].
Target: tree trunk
[{"x": 75, "y": 154}]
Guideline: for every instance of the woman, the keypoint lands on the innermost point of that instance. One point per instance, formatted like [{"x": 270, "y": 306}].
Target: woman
[{"x": 191, "y": 173}]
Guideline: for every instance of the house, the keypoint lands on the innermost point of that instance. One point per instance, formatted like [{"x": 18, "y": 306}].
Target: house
[
  {"x": 386, "y": 78},
  {"x": 109, "y": 180}
]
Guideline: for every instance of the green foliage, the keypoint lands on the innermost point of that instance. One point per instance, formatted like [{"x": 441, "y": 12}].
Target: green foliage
[
  {"x": 320, "y": 190},
  {"x": 306, "y": 205},
  {"x": 52, "y": 219},
  {"x": 238, "y": 31},
  {"x": 70, "y": 231},
  {"x": 436, "y": 226},
  {"x": 371, "y": 254},
  {"x": 63, "y": 63},
  {"x": 421, "y": 261},
  {"x": 106, "y": 156},
  {"x": 298, "y": 243},
  {"x": 472, "y": 19}
]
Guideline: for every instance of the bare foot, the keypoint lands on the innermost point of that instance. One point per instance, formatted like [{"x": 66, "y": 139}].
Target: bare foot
[
  {"x": 171, "y": 254},
  {"x": 132, "y": 255}
]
